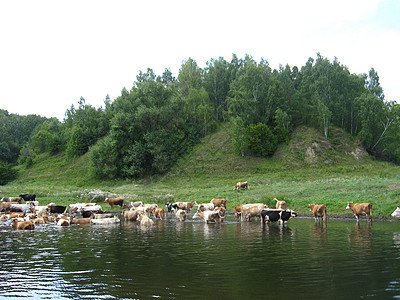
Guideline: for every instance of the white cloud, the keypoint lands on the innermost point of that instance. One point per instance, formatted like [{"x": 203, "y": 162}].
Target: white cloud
[{"x": 57, "y": 51}]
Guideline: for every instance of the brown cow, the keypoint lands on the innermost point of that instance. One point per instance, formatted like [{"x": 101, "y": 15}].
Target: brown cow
[
  {"x": 14, "y": 215},
  {"x": 183, "y": 205},
  {"x": 115, "y": 201},
  {"x": 238, "y": 211},
  {"x": 241, "y": 185},
  {"x": 319, "y": 211},
  {"x": 219, "y": 202},
  {"x": 181, "y": 215},
  {"x": 252, "y": 210},
  {"x": 81, "y": 221},
  {"x": 159, "y": 213},
  {"x": 361, "y": 209},
  {"x": 6, "y": 205},
  {"x": 131, "y": 215},
  {"x": 280, "y": 204},
  {"x": 208, "y": 216},
  {"x": 26, "y": 225},
  {"x": 221, "y": 211},
  {"x": 12, "y": 199},
  {"x": 145, "y": 220}
]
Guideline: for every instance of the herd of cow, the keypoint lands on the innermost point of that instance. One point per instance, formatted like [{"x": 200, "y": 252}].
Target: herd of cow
[{"x": 29, "y": 214}]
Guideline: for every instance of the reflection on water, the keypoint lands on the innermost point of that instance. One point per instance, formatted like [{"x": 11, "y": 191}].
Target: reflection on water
[{"x": 172, "y": 259}]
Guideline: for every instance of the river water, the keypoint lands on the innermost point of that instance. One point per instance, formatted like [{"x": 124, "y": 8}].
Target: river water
[{"x": 181, "y": 260}]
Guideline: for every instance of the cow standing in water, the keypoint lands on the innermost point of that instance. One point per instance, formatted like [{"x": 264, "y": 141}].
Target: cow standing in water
[
  {"x": 319, "y": 211},
  {"x": 361, "y": 209}
]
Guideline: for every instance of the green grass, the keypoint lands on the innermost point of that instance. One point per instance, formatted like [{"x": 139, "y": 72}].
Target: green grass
[{"x": 309, "y": 170}]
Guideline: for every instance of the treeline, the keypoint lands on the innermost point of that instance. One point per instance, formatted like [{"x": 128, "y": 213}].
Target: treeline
[{"x": 147, "y": 128}]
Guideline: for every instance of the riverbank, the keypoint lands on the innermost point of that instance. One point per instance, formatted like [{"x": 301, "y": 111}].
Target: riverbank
[{"x": 212, "y": 168}]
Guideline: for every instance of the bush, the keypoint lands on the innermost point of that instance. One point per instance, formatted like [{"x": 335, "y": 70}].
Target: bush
[{"x": 262, "y": 140}]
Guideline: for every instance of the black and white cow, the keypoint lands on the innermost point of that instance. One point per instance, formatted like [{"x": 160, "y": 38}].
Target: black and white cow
[
  {"x": 172, "y": 206},
  {"x": 275, "y": 215}
]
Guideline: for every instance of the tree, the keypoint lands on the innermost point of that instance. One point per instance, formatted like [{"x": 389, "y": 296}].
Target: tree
[
  {"x": 240, "y": 139},
  {"x": 372, "y": 84},
  {"x": 190, "y": 76},
  {"x": 7, "y": 173}
]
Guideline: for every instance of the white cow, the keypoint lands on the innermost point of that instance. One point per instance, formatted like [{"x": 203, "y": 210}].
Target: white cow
[{"x": 396, "y": 213}]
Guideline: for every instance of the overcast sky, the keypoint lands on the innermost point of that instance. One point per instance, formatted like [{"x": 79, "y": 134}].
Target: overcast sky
[{"x": 53, "y": 52}]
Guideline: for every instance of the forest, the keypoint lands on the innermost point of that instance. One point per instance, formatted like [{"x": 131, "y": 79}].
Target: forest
[{"x": 161, "y": 117}]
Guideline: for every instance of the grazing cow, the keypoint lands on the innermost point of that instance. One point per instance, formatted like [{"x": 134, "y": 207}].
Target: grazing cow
[
  {"x": 115, "y": 201},
  {"x": 159, "y": 213},
  {"x": 252, "y": 210},
  {"x": 25, "y": 225},
  {"x": 275, "y": 215},
  {"x": 180, "y": 205},
  {"x": 28, "y": 197},
  {"x": 361, "y": 209},
  {"x": 112, "y": 220},
  {"x": 208, "y": 216},
  {"x": 218, "y": 202},
  {"x": 319, "y": 211},
  {"x": 181, "y": 215},
  {"x": 396, "y": 212},
  {"x": 130, "y": 215},
  {"x": 205, "y": 206},
  {"x": 241, "y": 185},
  {"x": 132, "y": 204},
  {"x": 280, "y": 204}
]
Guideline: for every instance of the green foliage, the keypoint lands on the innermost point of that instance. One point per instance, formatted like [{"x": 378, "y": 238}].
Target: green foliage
[
  {"x": 240, "y": 138},
  {"x": 103, "y": 159},
  {"x": 7, "y": 173},
  {"x": 15, "y": 131},
  {"x": 262, "y": 141},
  {"x": 158, "y": 120},
  {"x": 78, "y": 143}
]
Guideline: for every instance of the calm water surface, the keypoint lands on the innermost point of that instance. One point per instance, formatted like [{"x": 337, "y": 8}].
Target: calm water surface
[{"x": 174, "y": 260}]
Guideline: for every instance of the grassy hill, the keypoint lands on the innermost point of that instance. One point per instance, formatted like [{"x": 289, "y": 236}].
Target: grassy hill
[{"x": 310, "y": 169}]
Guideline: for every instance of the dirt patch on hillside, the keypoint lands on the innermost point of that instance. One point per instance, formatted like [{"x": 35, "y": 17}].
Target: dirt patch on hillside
[{"x": 394, "y": 186}]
